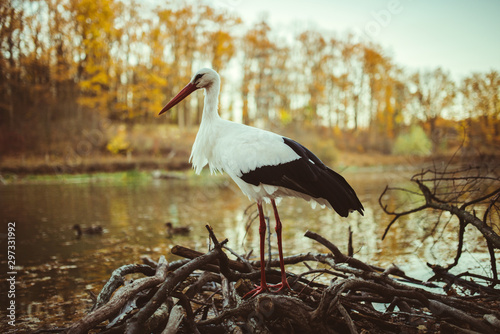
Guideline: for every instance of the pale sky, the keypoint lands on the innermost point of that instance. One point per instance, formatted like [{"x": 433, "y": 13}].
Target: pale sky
[{"x": 461, "y": 36}]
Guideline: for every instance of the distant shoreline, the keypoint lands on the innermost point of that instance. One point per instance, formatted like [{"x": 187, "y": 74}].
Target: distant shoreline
[
  {"x": 179, "y": 162},
  {"x": 41, "y": 166}
]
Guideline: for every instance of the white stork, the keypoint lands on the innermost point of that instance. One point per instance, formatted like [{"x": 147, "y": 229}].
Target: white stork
[{"x": 263, "y": 164}]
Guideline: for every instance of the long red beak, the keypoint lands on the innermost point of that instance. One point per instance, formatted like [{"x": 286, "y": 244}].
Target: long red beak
[{"x": 179, "y": 97}]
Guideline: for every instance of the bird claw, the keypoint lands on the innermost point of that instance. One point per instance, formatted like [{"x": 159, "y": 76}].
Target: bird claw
[
  {"x": 281, "y": 286},
  {"x": 266, "y": 288},
  {"x": 258, "y": 290}
]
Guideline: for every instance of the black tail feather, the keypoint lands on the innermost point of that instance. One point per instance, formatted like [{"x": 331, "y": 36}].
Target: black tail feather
[{"x": 340, "y": 195}]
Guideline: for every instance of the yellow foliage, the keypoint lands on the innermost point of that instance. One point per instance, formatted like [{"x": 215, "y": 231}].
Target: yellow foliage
[
  {"x": 285, "y": 117},
  {"x": 119, "y": 142},
  {"x": 124, "y": 60}
]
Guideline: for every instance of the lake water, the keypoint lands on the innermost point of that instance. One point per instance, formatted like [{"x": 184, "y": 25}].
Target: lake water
[{"x": 56, "y": 271}]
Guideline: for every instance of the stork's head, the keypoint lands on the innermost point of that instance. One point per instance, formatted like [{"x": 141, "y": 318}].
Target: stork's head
[{"x": 204, "y": 78}]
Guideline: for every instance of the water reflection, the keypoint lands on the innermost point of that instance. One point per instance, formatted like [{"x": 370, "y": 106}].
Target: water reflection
[{"x": 56, "y": 268}]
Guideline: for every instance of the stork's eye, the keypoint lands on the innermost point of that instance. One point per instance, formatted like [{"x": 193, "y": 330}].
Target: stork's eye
[{"x": 197, "y": 77}]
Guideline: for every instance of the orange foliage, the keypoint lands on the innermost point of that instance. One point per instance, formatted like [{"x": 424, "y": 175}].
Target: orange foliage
[{"x": 68, "y": 65}]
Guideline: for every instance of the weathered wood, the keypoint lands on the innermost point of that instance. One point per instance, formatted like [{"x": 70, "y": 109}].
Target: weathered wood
[
  {"x": 170, "y": 282},
  {"x": 116, "y": 280},
  {"x": 466, "y": 216},
  {"x": 337, "y": 254},
  {"x": 174, "y": 320},
  {"x": 192, "y": 254},
  {"x": 118, "y": 300},
  {"x": 210, "y": 300}
]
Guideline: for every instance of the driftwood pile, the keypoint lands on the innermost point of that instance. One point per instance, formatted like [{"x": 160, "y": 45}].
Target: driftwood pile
[{"x": 202, "y": 294}]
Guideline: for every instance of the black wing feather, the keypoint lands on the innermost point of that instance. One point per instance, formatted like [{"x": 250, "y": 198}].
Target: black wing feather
[{"x": 310, "y": 176}]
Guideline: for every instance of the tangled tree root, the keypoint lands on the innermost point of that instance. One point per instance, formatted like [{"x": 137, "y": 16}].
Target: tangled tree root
[{"x": 202, "y": 294}]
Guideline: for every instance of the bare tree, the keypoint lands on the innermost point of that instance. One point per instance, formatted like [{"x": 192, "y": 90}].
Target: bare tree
[{"x": 470, "y": 194}]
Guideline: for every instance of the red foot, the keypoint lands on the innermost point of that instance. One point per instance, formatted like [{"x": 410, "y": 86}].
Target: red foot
[
  {"x": 281, "y": 286},
  {"x": 258, "y": 290}
]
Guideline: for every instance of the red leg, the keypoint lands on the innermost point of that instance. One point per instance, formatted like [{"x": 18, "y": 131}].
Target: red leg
[
  {"x": 262, "y": 231},
  {"x": 278, "y": 228}
]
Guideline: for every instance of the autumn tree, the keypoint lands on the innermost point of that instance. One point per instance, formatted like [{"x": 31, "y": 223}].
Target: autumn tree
[
  {"x": 314, "y": 70},
  {"x": 176, "y": 28},
  {"x": 481, "y": 93},
  {"x": 11, "y": 27},
  {"x": 432, "y": 92},
  {"x": 36, "y": 72},
  {"x": 94, "y": 33},
  {"x": 71, "y": 64},
  {"x": 351, "y": 87},
  {"x": 258, "y": 50},
  {"x": 389, "y": 97},
  {"x": 62, "y": 64},
  {"x": 139, "y": 65},
  {"x": 218, "y": 44}
]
